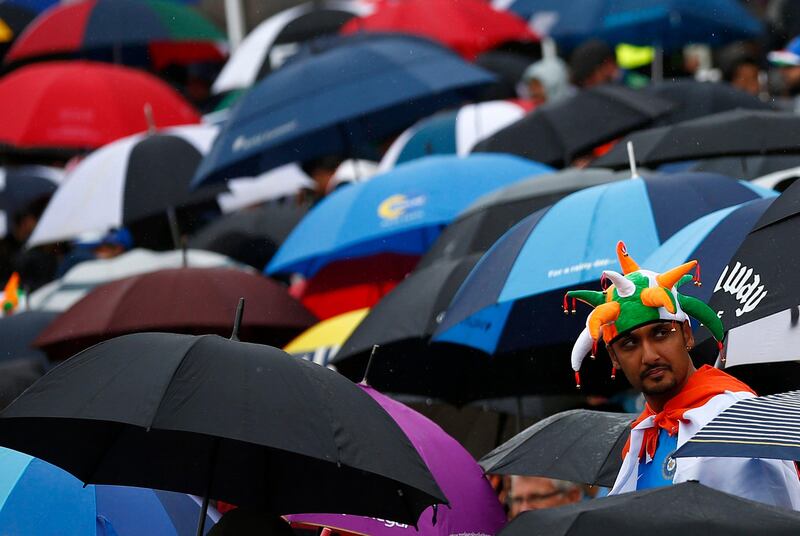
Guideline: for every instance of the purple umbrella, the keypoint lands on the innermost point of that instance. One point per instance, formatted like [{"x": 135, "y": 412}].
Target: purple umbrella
[{"x": 474, "y": 508}]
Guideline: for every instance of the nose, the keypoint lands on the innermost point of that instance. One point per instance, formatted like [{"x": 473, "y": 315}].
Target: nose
[{"x": 650, "y": 355}]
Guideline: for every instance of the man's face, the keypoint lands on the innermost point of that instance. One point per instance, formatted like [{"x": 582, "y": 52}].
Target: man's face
[
  {"x": 791, "y": 78},
  {"x": 746, "y": 78},
  {"x": 536, "y": 493},
  {"x": 655, "y": 359}
]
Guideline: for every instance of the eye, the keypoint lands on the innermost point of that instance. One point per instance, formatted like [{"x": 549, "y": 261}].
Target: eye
[{"x": 660, "y": 333}]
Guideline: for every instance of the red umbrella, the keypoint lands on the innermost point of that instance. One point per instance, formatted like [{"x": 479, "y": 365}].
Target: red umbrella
[
  {"x": 467, "y": 26},
  {"x": 182, "y": 300},
  {"x": 82, "y": 105},
  {"x": 344, "y": 286}
]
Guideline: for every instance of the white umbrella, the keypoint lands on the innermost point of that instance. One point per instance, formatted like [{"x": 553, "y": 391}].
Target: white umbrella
[
  {"x": 135, "y": 177},
  {"x": 274, "y": 184},
  {"x": 59, "y": 295},
  {"x": 261, "y": 51}
]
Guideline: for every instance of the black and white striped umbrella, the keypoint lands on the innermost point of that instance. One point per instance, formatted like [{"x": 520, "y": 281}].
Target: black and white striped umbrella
[
  {"x": 760, "y": 427},
  {"x": 136, "y": 177},
  {"x": 276, "y": 39}
]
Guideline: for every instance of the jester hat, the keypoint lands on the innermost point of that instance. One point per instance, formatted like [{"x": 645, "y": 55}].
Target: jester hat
[{"x": 634, "y": 299}]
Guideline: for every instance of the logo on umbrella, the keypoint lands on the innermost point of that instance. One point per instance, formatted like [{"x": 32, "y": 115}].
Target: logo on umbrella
[
  {"x": 245, "y": 143},
  {"x": 738, "y": 284},
  {"x": 395, "y": 206}
]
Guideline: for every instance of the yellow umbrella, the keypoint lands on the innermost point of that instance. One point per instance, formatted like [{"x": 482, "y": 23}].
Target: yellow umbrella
[{"x": 320, "y": 342}]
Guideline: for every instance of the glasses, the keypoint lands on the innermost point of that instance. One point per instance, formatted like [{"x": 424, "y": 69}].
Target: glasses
[{"x": 534, "y": 499}]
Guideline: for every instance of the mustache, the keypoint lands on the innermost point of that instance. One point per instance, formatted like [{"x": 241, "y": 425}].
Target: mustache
[{"x": 650, "y": 368}]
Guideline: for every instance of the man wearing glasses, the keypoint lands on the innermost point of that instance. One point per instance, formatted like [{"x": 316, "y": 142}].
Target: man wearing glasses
[{"x": 535, "y": 493}]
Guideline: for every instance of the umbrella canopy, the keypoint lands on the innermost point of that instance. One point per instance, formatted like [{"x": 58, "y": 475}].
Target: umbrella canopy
[
  {"x": 760, "y": 427},
  {"x": 509, "y": 67},
  {"x": 132, "y": 32},
  {"x": 511, "y": 300},
  {"x": 306, "y": 109},
  {"x": 274, "y": 40},
  {"x": 131, "y": 179},
  {"x": 482, "y": 223},
  {"x": 732, "y": 133},
  {"x": 39, "y": 498},
  {"x": 20, "y": 185},
  {"x": 20, "y": 363},
  {"x": 473, "y": 509},
  {"x": 351, "y": 284},
  {"x": 454, "y": 132},
  {"x": 278, "y": 183},
  {"x": 250, "y": 236},
  {"x": 748, "y": 167},
  {"x": 82, "y": 105},
  {"x": 187, "y": 300},
  {"x": 756, "y": 293},
  {"x": 578, "y": 445},
  {"x": 695, "y": 99},
  {"x": 243, "y": 423},
  {"x": 402, "y": 323},
  {"x": 557, "y": 132},
  {"x": 14, "y": 17},
  {"x": 61, "y": 294},
  {"x": 320, "y": 342},
  {"x": 468, "y": 26},
  {"x": 668, "y": 24},
  {"x": 253, "y": 11},
  {"x": 693, "y": 508},
  {"x": 401, "y": 211}
]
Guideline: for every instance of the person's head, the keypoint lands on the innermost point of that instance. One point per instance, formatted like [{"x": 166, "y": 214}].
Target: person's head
[
  {"x": 644, "y": 322},
  {"x": 655, "y": 358},
  {"x": 740, "y": 69},
  {"x": 593, "y": 63},
  {"x": 536, "y": 493},
  {"x": 547, "y": 80},
  {"x": 788, "y": 60}
]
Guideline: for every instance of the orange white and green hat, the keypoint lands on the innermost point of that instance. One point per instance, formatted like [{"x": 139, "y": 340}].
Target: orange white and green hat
[{"x": 635, "y": 298}]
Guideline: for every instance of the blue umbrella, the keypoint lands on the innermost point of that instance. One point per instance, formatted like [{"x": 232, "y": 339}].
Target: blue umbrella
[
  {"x": 341, "y": 101},
  {"x": 668, "y": 24},
  {"x": 39, "y": 498},
  {"x": 511, "y": 300},
  {"x": 761, "y": 427},
  {"x": 401, "y": 211}
]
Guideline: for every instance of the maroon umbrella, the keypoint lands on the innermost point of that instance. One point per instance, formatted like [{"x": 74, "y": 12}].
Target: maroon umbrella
[{"x": 182, "y": 300}]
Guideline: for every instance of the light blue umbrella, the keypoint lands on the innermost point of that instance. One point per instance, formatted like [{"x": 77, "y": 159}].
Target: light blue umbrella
[
  {"x": 37, "y": 498},
  {"x": 401, "y": 211}
]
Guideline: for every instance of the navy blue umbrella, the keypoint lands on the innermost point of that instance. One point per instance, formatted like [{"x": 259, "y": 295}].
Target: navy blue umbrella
[
  {"x": 341, "y": 101},
  {"x": 761, "y": 427},
  {"x": 666, "y": 23},
  {"x": 511, "y": 301}
]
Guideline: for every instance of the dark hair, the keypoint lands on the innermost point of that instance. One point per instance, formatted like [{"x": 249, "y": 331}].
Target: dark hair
[{"x": 587, "y": 58}]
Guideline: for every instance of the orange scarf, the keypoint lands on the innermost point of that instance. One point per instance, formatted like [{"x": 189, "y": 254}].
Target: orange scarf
[{"x": 706, "y": 383}]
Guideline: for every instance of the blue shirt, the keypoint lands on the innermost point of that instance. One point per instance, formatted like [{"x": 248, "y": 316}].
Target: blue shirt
[{"x": 660, "y": 471}]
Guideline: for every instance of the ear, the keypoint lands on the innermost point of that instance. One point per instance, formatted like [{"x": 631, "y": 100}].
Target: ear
[{"x": 688, "y": 336}]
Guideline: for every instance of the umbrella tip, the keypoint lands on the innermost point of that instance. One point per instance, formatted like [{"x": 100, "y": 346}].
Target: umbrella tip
[
  {"x": 365, "y": 379},
  {"x": 632, "y": 160},
  {"x": 237, "y": 321},
  {"x": 184, "y": 252}
]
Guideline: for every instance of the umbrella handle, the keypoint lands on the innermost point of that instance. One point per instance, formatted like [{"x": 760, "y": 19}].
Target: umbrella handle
[{"x": 201, "y": 523}]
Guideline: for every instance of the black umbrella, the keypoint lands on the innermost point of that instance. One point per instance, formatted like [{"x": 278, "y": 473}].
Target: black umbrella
[
  {"x": 20, "y": 363},
  {"x": 251, "y": 236},
  {"x": 688, "y": 508},
  {"x": 509, "y": 67},
  {"x": 404, "y": 320},
  {"x": 578, "y": 445},
  {"x": 748, "y": 167},
  {"x": 555, "y": 133},
  {"x": 732, "y": 133},
  {"x": 15, "y": 18},
  {"x": 757, "y": 294},
  {"x": 242, "y": 423},
  {"x": 695, "y": 99}
]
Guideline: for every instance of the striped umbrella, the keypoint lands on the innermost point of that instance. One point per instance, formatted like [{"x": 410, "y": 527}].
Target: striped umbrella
[
  {"x": 131, "y": 179},
  {"x": 452, "y": 132},
  {"x": 131, "y": 32},
  {"x": 277, "y": 38},
  {"x": 760, "y": 427},
  {"x": 39, "y": 498}
]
